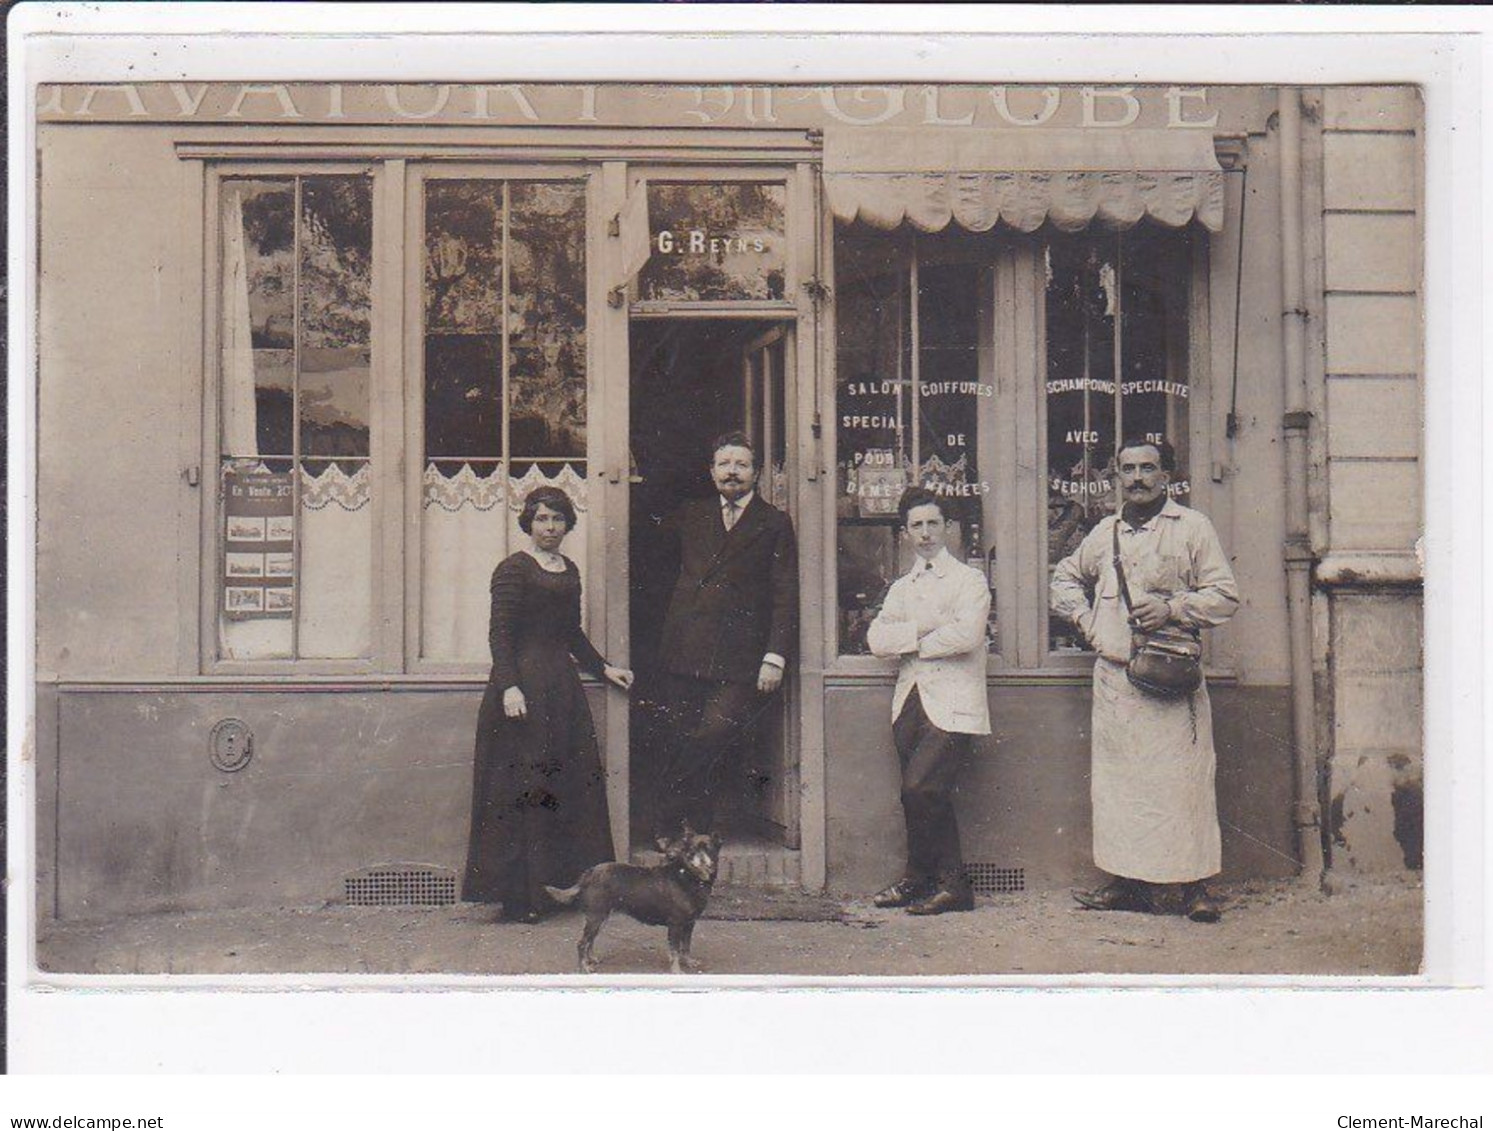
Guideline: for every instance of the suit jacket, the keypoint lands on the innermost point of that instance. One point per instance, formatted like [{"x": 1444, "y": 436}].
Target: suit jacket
[
  {"x": 736, "y": 598},
  {"x": 947, "y": 664}
]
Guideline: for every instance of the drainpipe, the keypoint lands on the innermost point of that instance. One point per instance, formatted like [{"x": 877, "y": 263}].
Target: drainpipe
[{"x": 1297, "y": 548}]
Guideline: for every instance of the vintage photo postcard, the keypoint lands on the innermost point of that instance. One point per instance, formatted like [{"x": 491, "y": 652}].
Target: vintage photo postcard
[{"x": 573, "y": 529}]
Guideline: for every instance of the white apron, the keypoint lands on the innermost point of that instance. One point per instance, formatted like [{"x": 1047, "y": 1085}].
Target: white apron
[{"x": 1155, "y": 812}]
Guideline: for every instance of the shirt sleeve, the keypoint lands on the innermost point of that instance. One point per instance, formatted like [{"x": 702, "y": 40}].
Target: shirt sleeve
[
  {"x": 966, "y": 632},
  {"x": 893, "y": 633},
  {"x": 1214, "y": 596},
  {"x": 1072, "y": 578}
]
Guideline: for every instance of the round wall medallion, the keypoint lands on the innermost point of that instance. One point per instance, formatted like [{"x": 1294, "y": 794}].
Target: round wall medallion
[{"x": 231, "y": 745}]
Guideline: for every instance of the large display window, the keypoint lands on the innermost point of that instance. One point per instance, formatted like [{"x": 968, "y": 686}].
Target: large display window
[
  {"x": 493, "y": 386},
  {"x": 503, "y": 294},
  {"x": 294, "y": 474},
  {"x": 968, "y": 363}
]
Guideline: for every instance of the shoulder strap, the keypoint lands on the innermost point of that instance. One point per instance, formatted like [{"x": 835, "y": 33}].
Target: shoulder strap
[{"x": 1120, "y": 568}]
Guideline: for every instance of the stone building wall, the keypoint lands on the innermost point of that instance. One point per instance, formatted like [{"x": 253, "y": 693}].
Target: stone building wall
[{"x": 1371, "y": 160}]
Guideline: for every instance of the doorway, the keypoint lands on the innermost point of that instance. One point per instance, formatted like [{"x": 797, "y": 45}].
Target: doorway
[{"x": 692, "y": 380}]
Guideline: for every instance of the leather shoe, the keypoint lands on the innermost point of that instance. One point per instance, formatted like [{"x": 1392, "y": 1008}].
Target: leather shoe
[
  {"x": 1202, "y": 907},
  {"x": 943, "y": 900},
  {"x": 901, "y": 893},
  {"x": 1117, "y": 895}
]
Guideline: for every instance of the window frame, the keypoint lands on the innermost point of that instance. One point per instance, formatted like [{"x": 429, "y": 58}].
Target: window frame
[
  {"x": 1012, "y": 444},
  {"x": 380, "y": 455},
  {"x": 643, "y": 173},
  {"x": 396, "y": 392},
  {"x": 417, "y": 175}
]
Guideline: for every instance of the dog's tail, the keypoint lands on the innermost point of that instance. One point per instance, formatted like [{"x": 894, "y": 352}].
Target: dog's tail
[{"x": 563, "y": 896}]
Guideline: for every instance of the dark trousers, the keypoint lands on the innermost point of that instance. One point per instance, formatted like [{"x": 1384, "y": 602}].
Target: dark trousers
[
  {"x": 704, "y": 719},
  {"x": 931, "y": 759}
]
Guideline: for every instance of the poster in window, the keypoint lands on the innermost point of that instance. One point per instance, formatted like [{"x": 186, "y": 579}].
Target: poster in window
[
  {"x": 878, "y": 481},
  {"x": 258, "y": 544}
]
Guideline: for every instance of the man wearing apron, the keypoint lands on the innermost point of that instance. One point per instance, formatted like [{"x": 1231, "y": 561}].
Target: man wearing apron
[{"x": 1155, "y": 809}]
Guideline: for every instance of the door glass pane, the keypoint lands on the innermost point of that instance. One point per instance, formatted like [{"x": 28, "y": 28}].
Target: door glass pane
[{"x": 712, "y": 242}]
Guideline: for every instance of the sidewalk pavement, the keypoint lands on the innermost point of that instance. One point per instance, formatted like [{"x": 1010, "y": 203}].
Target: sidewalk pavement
[{"x": 1368, "y": 927}]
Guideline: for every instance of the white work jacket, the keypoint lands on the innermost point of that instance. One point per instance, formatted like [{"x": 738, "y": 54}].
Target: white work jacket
[{"x": 934, "y": 619}]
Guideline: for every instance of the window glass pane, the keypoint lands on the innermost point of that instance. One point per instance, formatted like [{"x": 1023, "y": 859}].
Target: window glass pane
[
  {"x": 1080, "y": 392},
  {"x": 948, "y": 389},
  {"x": 505, "y": 398},
  {"x": 259, "y": 312},
  {"x": 463, "y": 396},
  {"x": 1156, "y": 390},
  {"x": 334, "y": 401},
  {"x": 777, "y": 414},
  {"x": 547, "y": 319},
  {"x": 274, "y": 393},
  {"x": 872, "y": 422},
  {"x": 714, "y": 242},
  {"x": 1107, "y": 292},
  {"x": 463, "y": 256},
  {"x": 463, "y": 301},
  {"x": 463, "y": 523},
  {"x": 336, "y": 262},
  {"x": 295, "y": 330},
  {"x": 336, "y": 312},
  {"x": 906, "y": 414}
]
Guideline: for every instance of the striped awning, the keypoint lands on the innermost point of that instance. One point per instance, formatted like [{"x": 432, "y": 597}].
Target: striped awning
[{"x": 930, "y": 178}]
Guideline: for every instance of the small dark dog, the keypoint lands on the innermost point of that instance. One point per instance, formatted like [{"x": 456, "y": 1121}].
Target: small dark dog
[{"x": 671, "y": 894}]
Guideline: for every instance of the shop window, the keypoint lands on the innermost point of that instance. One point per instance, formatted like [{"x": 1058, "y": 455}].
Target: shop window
[
  {"x": 926, "y": 393},
  {"x": 914, "y": 392},
  {"x": 295, "y": 354},
  {"x": 504, "y": 336},
  {"x": 1117, "y": 348},
  {"x": 714, "y": 241}
]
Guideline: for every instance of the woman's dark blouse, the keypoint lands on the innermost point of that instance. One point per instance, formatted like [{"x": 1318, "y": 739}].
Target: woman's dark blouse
[{"x": 536, "y": 618}]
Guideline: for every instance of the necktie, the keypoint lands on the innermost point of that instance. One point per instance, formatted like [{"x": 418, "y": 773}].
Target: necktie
[{"x": 732, "y": 510}]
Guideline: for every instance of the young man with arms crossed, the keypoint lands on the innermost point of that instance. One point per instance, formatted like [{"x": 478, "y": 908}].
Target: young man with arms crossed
[{"x": 933, "y": 621}]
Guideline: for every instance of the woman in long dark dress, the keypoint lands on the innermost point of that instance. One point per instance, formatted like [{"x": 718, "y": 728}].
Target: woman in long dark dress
[{"x": 539, "y": 803}]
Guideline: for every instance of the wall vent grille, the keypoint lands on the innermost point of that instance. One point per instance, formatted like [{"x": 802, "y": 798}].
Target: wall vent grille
[
  {"x": 400, "y": 885},
  {"x": 991, "y": 879}
]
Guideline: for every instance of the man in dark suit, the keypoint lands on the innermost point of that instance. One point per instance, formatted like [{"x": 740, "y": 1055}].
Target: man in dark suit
[{"x": 728, "y": 631}]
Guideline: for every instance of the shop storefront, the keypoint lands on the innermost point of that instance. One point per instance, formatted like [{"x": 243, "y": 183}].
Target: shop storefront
[{"x": 331, "y": 335}]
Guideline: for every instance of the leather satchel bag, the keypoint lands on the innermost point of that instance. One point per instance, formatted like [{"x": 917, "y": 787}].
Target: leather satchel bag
[{"x": 1166, "y": 663}]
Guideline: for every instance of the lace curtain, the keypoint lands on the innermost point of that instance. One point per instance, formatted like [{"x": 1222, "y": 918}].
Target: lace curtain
[{"x": 469, "y": 523}]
